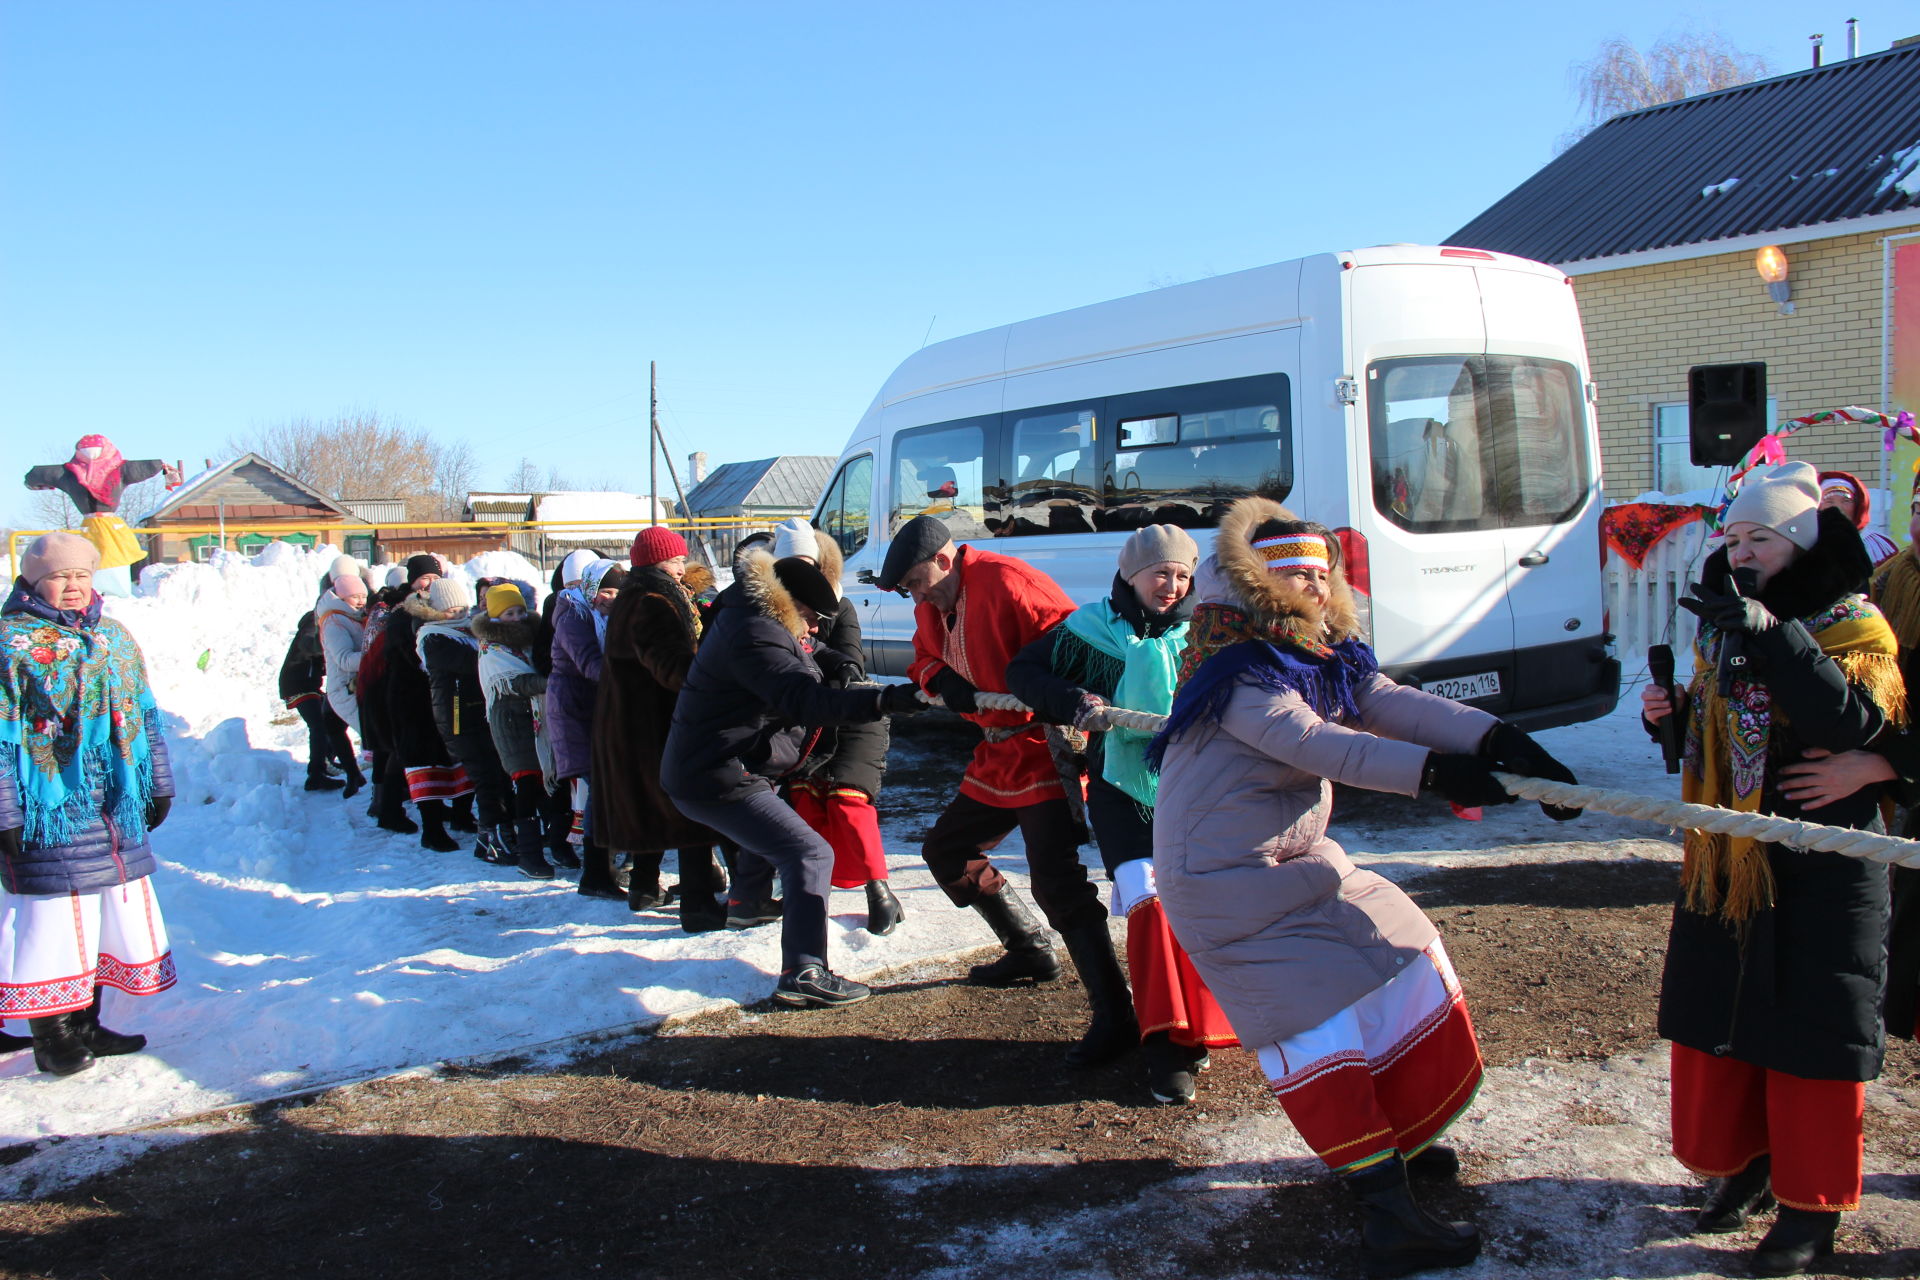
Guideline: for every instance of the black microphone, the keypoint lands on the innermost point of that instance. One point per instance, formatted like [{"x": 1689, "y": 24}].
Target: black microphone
[
  {"x": 1733, "y": 646},
  {"x": 1660, "y": 668}
]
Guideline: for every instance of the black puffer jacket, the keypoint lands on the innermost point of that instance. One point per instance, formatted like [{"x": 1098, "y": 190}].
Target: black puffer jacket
[
  {"x": 303, "y": 672},
  {"x": 849, "y": 755},
  {"x": 414, "y": 737},
  {"x": 1798, "y": 989},
  {"x": 459, "y": 701},
  {"x": 753, "y": 703}
]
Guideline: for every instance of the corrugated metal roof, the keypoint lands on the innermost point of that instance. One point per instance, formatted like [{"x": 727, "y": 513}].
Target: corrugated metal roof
[
  {"x": 792, "y": 482},
  {"x": 377, "y": 510},
  {"x": 203, "y": 487},
  {"x": 1822, "y": 145}
]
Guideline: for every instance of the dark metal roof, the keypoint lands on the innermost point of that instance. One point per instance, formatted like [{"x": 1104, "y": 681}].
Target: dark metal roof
[
  {"x": 1816, "y": 146},
  {"x": 792, "y": 482}
]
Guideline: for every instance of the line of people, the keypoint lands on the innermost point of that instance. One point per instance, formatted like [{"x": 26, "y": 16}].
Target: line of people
[{"x": 543, "y": 734}]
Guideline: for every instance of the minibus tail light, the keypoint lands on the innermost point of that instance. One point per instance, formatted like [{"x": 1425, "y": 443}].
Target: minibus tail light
[{"x": 1353, "y": 554}]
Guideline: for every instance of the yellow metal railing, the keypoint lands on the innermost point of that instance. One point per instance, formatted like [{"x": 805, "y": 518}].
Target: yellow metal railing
[{"x": 240, "y": 526}]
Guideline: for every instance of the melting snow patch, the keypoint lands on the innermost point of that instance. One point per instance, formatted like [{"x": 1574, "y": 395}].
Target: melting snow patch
[
  {"x": 1903, "y": 173},
  {"x": 1719, "y": 188}
]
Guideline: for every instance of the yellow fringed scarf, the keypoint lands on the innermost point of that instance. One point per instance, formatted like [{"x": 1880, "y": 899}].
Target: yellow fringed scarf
[
  {"x": 1727, "y": 739},
  {"x": 1896, "y": 590}
]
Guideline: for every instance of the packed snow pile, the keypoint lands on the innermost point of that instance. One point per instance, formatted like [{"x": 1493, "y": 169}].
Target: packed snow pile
[{"x": 314, "y": 948}]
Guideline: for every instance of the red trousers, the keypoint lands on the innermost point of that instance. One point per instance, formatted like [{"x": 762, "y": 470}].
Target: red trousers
[
  {"x": 1168, "y": 994},
  {"x": 845, "y": 818},
  {"x": 1726, "y": 1112}
]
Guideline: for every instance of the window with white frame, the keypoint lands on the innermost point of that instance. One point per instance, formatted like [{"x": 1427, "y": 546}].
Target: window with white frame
[{"x": 1673, "y": 471}]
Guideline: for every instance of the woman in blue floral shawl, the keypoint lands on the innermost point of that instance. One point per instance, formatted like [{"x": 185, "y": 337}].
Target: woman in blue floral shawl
[{"x": 83, "y": 779}]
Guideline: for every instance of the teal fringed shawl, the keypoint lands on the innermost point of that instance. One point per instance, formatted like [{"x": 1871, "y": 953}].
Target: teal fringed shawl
[{"x": 74, "y": 706}]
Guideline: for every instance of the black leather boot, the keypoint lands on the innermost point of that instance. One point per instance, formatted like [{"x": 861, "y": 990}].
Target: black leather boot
[
  {"x": 58, "y": 1047},
  {"x": 1434, "y": 1161},
  {"x": 701, "y": 909},
  {"x": 1797, "y": 1238},
  {"x": 101, "y": 1042},
  {"x": 532, "y": 858},
  {"x": 1114, "y": 1030},
  {"x": 1029, "y": 954},
  {"x": 596, "y": 874},
  {"x": 392, "y": 812},
  {"x": 1398, "y": 1235},
  {"x": 1735, "y": 1199},
  {"x": 884, "y": 912},
  {"x": 643, "y": 882},
  {"x": 460, "y": 815},
  {"x": 433, "y": 828}
]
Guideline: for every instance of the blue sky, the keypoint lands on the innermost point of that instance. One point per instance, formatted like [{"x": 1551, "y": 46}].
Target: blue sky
[{"x": 484, "y": 219}]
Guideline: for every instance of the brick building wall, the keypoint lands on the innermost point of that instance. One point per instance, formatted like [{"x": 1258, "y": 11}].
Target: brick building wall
[{"x": 1646, "y": 325}]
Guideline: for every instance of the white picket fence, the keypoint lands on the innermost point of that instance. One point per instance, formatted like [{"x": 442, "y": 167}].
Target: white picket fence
[{"x": 1642, "y": 604}]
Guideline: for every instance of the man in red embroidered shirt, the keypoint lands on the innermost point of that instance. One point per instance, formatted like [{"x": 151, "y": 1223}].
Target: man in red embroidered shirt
[{"x": 975, "y": 611}]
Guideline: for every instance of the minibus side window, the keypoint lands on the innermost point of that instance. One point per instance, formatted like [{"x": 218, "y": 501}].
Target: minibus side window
[
  {"x": 843, "y": 512},
  {"x": 1182, "y": 455},
  {"x": 1055, "y": 476},
  {"x": 1475, "y": 442},
  {"x": 940, "y": 471}
]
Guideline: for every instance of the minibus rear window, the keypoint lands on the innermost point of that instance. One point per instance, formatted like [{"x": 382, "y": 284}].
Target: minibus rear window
[{"x": 1476, "y": 442}]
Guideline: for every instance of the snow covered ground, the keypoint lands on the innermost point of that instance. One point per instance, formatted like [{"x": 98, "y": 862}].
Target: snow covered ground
[{"x": 314, "y": 948}]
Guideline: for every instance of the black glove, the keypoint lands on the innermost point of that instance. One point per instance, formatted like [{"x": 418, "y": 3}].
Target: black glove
[
  {"x": 10, "y": 844},
  {"x": 836, "y": 668},
  {"x": 1729, "y": 611},
  {"x": 1463, "y": 779},
  {"x": 1511, "y": 751},
  {"x": 157, "y": 809},
  {"x": 955, "y": 690},
  {"x": 901, "y": 700}
]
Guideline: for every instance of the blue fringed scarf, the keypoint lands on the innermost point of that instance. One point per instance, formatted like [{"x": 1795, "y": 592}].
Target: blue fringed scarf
[
  {"x": 1229, "y": 647},
  {"x": 74, "y": 706}
]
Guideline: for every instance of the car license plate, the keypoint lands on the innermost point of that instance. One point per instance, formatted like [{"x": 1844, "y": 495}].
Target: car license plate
[{"x": 1462, "y": 688}]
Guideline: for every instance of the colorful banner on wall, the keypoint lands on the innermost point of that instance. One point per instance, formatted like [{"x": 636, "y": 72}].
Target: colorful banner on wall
[{"x": 1903, "y": 369}]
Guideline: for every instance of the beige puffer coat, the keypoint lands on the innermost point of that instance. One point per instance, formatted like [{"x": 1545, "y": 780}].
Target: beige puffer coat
[{"x": 1281, "y": 924}]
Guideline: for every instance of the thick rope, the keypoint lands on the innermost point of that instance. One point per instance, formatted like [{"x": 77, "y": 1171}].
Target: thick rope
[{"x": 1621, "y": 804}]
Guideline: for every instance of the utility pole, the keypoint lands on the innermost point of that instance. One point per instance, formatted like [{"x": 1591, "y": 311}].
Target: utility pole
[
  {"x": 673, "y": 474},
  {"x": 653, "y": 438}
]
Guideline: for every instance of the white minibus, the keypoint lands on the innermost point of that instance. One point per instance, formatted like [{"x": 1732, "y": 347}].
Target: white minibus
[{"x": 1432, "y": 405}]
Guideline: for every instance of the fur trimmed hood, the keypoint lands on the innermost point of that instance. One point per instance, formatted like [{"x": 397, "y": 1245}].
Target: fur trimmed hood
[
  {"x": 763, "y": 590},
  {"x": 832, "y": 563},
  {"x": 1235, "y": 575},
  {"x": 416, "y": 605},
  {"x": 512, "y": 635}
]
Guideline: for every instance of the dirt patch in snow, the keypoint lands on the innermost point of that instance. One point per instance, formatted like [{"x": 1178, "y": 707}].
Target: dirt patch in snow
[{"x": 934, "y": 1132}]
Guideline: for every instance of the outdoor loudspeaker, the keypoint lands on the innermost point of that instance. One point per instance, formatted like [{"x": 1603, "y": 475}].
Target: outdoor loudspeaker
[{"x": 1726, "y": 411}]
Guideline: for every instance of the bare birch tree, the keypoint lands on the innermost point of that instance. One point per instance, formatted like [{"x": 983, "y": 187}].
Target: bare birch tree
[{"x": 1623, "y": 77}]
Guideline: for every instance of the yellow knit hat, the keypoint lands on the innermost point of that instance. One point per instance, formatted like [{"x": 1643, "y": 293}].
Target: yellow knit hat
[{"x": 503, "y": 596}]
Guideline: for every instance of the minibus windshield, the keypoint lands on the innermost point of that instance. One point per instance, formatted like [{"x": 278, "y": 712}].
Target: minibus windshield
[{"x": 1476, "y": 442}]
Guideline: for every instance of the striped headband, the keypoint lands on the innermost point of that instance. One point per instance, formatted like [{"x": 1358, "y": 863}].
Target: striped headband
[
  {"x": 1836, "y": 486},
  {"x": 1291, "y": 550}
]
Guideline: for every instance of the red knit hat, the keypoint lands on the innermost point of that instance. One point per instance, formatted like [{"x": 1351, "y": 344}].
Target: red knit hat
[{"x": 652, "y": 545}]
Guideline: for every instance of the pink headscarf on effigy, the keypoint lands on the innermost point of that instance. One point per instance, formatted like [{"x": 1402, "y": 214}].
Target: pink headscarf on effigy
[{"x": 98, "y": 474}]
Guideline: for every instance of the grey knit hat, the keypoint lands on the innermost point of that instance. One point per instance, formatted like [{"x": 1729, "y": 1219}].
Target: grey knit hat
[
  {"x": 1785, "y": 499},
  {"x": 1158, "y": 544},
  {"x": 450, "y": 593}
]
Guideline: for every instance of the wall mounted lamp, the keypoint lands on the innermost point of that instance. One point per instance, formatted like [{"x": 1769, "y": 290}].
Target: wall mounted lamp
[{"x": 1772, "y": 266}]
